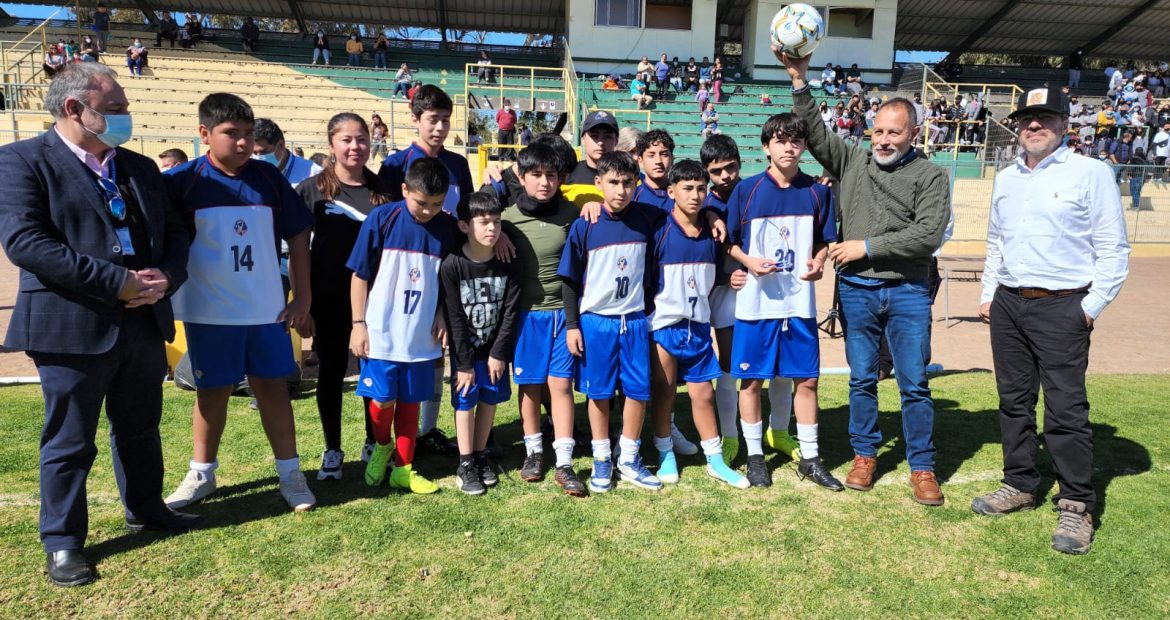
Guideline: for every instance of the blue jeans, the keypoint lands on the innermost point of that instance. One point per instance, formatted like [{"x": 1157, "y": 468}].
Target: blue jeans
[
  {"x": 902, "y": 309},
  {"x": 1136, "y": 181},
  {"x": 379, "y": 60},
  {"x": 355, "y": 60}
]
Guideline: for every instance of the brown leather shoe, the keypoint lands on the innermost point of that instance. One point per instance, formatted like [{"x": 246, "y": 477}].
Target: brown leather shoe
[
  {"x": 926, "y": 489},
  {"x": 860, "y": 478}
]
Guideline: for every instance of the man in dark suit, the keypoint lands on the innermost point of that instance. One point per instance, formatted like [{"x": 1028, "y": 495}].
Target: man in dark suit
[{"x": 100, "y": 248}]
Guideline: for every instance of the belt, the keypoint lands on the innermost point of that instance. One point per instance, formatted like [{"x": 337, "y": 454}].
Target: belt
[{"x": 1038, "y": 293}]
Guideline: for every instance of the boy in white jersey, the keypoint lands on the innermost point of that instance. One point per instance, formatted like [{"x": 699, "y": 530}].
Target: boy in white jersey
[
  {"x": 780, "y": 223},
  {"x": 233, "y": 304},
  {"x": 686, "y": 259}
]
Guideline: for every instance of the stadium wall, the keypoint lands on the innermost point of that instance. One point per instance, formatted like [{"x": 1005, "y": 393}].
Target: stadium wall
[{"x": 606, "y": 49}]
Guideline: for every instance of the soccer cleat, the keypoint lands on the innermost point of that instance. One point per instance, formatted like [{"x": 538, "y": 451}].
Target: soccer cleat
[
  {"x": 730, "y": 449},
  {"x": 758, "y": 474},
  {"x": 782, "y": 442},
  {"x": 682, "y": 445},
  {"x": 667, "y": 467},
  {"x": 532, "y": 470},
  {"x": 635, "y": 473},
  {"x": 295, "y": 490},
  {"x": 367, "y": 450},
  {"x": 1074, "y": 528},
  {"x": 601, "y": 480},
  {"x": 331, "y": 463},
  {"x": 195, "y": 486},
  {"x": 404, "y": 478},
  {"x": 567, "y": 479},
  {"x": 486, "y": 467},
  {"x": 719, "y": 470},
  {"x": 1002, "y": 501},
  {"x": 436, "y": 441},
  {"x": 814, "y": 470},
  {"x": 376, "y": 466},
  {"x": 467, "y": 479}
]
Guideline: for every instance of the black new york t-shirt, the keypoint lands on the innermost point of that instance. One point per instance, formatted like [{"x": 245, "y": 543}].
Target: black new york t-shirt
[
  {"x": 482, "y": 302},
  {"x": 335, "y": 231}
]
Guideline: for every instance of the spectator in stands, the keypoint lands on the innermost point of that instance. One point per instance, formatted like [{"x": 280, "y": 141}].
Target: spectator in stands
[
  {"x": 765, "y": 99},
  {"x": 1074, "y": 67},
  {"x": 829, "y": 79},
  {"x": 378, "y": 133},
  {"x": 194, "y": 28},
  {"x": 89, "y": 51},
  {"x": 844, "y": 121},
  {"x": 381, "y": 48},
  {"x": 473, "y": 140},
  {"x": 413, "y": 89},
  {"x": 525, "y": 134},
  {"x": 299, "y": 152},
  {"x": 675, "y": 78},
  {"x": 703, "y": 96},
  {"x": 318, "y": 159},
  {"x": 506, "y": 123},
  {"x": 1116, "y": 83},
  {"x": 610, "y": 83},
  {"x": 1074, "y": 106},
  {"x": 1137, "y": 171},
  {"x": 705, "y": 71},
  {"x": 1121, "y": 154},
  {"x": 975, "y": 116},
  {"x": 270, "y": 147},
  {"x": 709, "y": 121},
  {"x": 691, "y": 75},
  {"x": 486, "y": 74},
  {"x": 661, "y": 75},
  {"x": 918, "y": 109},
  {"x": 1107, "y": 119},
  {"x": 355, "y": 48},
  {"x": 249, "y": 35},
  {"x": 170, "y": 158},
  {"x": 856, "y": 124},
  {"x": 870, "y": 114},
  {"x": 638, "y": 93},
  {"x": 55, "y": 60},
  {"x": 826, "y": 115},
  {"x": 645, "y": 70},
  {"x": 403, "y": 78},
  {"x": 717, "y": 81},
  {"x": 101, "y": 26},
  {"x": 321, "y": 47},
  {"x": 168, "y": 29},
  {"x": 1161, "y": 146},
  {"x": 136, "y": 57},
  {"x": 853, "y": 82}
]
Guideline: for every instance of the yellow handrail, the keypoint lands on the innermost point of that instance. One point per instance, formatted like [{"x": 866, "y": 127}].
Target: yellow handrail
[
  {"x": 501, "y": 70},
  {"x": 40, "y": 27}
]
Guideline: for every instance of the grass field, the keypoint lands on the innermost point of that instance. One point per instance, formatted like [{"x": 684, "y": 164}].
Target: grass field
[{"x": 695, "y": 549}]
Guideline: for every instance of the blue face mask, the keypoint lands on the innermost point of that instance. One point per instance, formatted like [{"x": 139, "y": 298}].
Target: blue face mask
[
  {"x": 119, "y": 128},
  {"x": 269, "y": 157}
]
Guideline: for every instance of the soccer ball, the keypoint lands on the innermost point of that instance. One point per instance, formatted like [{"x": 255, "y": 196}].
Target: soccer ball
[{"x": 797, "y": 29}]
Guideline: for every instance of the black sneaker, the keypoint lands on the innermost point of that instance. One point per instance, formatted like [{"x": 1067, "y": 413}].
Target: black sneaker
[
  {"x": 533, "y": 468},
  {"x": 487, "y": 469},
  {"x": 814, "y": 470},
  {"x": 467, "y": 479},
  {"x": 436, "y": 442},
  {"x": 758, "y": 473},
  {"x": 567, "y": 479}
]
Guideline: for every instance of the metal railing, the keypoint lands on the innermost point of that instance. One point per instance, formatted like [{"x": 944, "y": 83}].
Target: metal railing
[
  {"x": 572, "y": 103},
  {"x": 529, "y": 74}
]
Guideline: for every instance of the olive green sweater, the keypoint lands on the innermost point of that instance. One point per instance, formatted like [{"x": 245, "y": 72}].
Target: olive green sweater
[{"x": 900, "y": 211}]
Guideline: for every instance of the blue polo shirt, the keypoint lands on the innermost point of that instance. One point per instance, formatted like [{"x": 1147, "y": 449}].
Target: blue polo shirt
[
  {"x": 393, "y": 174},
  {"x": 646, "y": 194}
]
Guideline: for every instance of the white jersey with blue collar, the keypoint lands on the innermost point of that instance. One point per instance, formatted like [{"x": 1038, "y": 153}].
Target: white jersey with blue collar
[
  {"x": 685, "y": 274},
  {"x": 607, "y": 261}
]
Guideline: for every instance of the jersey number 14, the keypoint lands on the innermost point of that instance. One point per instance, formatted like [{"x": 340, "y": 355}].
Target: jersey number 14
[{"x": 242, "y": 259}]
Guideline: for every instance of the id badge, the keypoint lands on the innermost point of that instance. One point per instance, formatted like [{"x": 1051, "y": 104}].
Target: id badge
[{"x": 124, "y": 241}]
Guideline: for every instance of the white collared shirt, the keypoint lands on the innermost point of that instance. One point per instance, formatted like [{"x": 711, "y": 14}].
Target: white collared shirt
[
  {"x": 1059, "y": 226},
  {"x": 100, "y": 167}
]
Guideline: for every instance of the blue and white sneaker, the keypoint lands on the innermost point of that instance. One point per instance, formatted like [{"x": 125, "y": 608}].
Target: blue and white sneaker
[
  {"x": 667, "y": 467},
  {"x": 602, "y": 479},
  {"x": 719, "y": 470},
  {"x": 635, "y": 473}
]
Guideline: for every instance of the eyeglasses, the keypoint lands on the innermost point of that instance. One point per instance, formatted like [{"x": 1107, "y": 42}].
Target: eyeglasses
[{"x": 116, "y": 204}]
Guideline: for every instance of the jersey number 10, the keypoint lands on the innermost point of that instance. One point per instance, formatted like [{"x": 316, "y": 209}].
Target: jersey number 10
[
  {"x": 242, "y": 259},
  {"x": 623, "y": 287}
]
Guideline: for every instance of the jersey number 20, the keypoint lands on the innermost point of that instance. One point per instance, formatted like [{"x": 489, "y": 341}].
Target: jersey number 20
[{"x": 242, "y": 259}]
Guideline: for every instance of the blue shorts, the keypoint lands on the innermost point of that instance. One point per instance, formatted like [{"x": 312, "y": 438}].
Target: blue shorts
[
  {"x": 769, "y": 348},
  {"x": 617, "y": 349},
  {"x": 482, "y": 391},
  {"x": 222, "y": 355},
  {"x": 540, "y": 348},
  {"x": 690, "y": 345},
  {"x": 405, "y": 382}
]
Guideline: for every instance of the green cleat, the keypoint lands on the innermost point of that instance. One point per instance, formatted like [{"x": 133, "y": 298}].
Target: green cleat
[
  {"x": 783, "y": 443},
  {"x": 406, "y": 479},
  {"x": 376, "y": 466},
  {"x": 730, "y": 449}
]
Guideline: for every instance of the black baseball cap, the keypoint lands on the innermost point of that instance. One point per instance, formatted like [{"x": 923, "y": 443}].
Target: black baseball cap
[
  {"x": 599, "y": 118},
  {"x": 1045, "y": 99}
]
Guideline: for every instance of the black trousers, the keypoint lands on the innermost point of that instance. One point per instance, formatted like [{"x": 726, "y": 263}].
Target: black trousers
[
  {"x": 332, "y": 318},
  {"x": 507, "y": 136},
  {"x": 1043, "y": 343}
]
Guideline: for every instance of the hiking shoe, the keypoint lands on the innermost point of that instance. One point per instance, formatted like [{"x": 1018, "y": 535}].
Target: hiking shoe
[
  {"x": 467, "y": 479},
  {"x": 486, "y": 467},
  {"x": 730, "y": 449},
  {"x": 926, "y": 489},
  {"x": 860, "y": 477},
  {"x": 567, "y": 479},
  {"x": 1003, "y": 500},
  {"x": 758, "y": 474},
  {"x": 376, "y": 466},
  {"x": 814, "y": 470},
  {"x": 406, "y": 479},
  {"x": 667, "y": 467},
  {"x": 682, "y": 445},
  {"x": 295, "y": 490},
  {"x": 367, "y": 451},
  {"x": 1074, "y": 528},
  {"x": 532, "y": 470},
  {"x": 194, "y": 487},
  {"x": 719, "y": 470},
  {"x": 436, "y": 441},
  {"x": 635, "y": 473},
  {"x": 601, "y": 480},
  {"x": 331, "y": 463},
  {"x": 782, "y": 442}
]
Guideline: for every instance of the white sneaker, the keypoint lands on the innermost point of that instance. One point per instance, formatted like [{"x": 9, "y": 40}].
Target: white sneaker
[
  {"x": 682, "y": 445},
  {"x": 295, "y": 490},
  {"x": 331, "y": 465},
  {"x": 195, "y": 486},
  {"x": 367, "y": 452}
]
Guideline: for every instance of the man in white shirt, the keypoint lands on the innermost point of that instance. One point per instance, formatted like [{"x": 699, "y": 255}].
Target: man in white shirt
[{"x": 1056, "y": 256}]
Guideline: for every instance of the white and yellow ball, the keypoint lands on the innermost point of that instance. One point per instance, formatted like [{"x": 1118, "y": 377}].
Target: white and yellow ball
[{"x": 797, "y": 29}]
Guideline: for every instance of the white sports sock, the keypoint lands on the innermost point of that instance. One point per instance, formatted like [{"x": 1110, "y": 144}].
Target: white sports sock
[
  {"x": 806, "y": 434},
  {"x": 601, "y": 449},
  {"x": 564, "y": 450},
  {"x": 629, "y": 450},
  {"x": 753, "y": 434},
  {"x": 429, "y": 410},
  {"x": 712, "y": 446},
  {"x": 284, "y": 467},
  {"x": 780, "y": 397},
  {"x": 534, "y": 443},
  {"x": 727, "y": 403},
  {"x": 205, "y": 468},
  {"x": 663, "y": 444}
]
